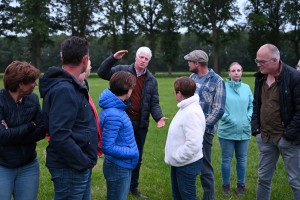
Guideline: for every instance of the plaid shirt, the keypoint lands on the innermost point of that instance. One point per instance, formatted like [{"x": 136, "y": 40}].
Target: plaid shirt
[{"x": 212, "y": 95}]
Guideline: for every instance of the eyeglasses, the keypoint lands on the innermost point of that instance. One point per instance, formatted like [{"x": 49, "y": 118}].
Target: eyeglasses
[{"x": 262, "y": 62}]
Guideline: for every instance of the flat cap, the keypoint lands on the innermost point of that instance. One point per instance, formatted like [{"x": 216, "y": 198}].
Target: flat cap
[{"x": 197, "y": 55}]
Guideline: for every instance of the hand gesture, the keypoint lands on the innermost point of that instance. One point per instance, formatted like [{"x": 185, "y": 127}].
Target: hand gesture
[
  {"x": 161, "y": 123},
  {"x": 118, "y": 55}
]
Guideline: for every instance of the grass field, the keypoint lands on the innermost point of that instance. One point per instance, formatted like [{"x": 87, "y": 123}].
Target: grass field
[{"x": 155, "y": 174}]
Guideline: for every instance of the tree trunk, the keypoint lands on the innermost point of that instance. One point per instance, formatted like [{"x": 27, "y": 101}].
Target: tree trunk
[
  {"x": 153, "y": 52},
  {"x": 216, "y": 60},
  {"x": 114, "y": 41},
  {"x": 216, "y": 48},
  {"x": 125, "y": 37},
  {"x": 169, "y": 70},
  {"x": 36, "y": 52},
  {"x": 72, "y": 18}
]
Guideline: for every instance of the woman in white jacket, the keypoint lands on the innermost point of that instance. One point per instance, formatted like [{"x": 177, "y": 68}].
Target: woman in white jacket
[{"x": 183, "y": 149}]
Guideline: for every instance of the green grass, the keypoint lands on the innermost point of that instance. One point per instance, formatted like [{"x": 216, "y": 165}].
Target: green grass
[{"x": 155, "y": 174}]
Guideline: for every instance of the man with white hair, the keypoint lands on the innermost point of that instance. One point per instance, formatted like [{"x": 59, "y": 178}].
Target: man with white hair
[
  {"x": 276, "y": 120},
  {"x": 144, "y": 100}
]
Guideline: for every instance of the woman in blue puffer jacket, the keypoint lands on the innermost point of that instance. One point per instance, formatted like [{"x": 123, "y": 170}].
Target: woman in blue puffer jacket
[
  {"x": 118, "y": 142},
  {"x": 234, "y": 130}
]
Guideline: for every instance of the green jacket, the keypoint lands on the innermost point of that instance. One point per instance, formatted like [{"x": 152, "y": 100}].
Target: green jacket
[{"x": 235, "y": 123}]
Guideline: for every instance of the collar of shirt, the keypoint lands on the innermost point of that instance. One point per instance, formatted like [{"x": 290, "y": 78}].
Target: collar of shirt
[{"x": 136, "y": 71}]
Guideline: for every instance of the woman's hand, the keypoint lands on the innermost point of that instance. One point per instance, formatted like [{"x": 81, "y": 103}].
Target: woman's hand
[{"x": 4, "y": 124}]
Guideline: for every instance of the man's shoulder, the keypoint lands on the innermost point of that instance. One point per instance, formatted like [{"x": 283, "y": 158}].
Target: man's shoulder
[
  {"x": 289, "y": 74},
  {"x": 149, "y": 75},
  {"x": 128, "y": 68},
  {"x": 214, "y": 75},
  {"x": 193, "y": 76},
  {"x": 64, "y": 88}
]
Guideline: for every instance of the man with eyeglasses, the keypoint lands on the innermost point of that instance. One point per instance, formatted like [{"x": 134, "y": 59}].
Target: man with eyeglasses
[{"x": 276, "y": 119}]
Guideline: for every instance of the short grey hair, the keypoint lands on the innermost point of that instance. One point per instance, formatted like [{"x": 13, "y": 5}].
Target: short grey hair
[
  {"x": 274, "y": 52},
  {"x": 144, "y": 50}
]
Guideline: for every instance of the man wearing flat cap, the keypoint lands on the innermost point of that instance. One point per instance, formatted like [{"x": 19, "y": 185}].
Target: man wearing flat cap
[{"x": 212, "y": 93}]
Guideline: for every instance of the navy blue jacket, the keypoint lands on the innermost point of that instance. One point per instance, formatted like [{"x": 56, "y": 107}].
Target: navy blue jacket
[
  {"x": 69, "y": 120},
  {"x": 118, "y": 142},
  {"x": 149, "y": 99},
  {"x": 18, "y": 142},
  {"x": 289, "y": 100}
]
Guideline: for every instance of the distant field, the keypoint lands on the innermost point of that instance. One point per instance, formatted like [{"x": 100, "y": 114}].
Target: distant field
[{"x": 155, "y": 174}]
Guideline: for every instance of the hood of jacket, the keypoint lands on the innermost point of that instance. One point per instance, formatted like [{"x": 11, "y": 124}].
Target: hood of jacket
[
  {"x": 107, "y": 99},
  {"x": 55, "y": 75},
  {"x": 233, "y": 84}
]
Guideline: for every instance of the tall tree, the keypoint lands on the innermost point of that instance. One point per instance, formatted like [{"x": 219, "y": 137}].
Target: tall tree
[
  {"x": 257, "y": 25},
  {"x": 128, "y": 28},
  {"x": 210, "y": 19},
  {"x": 170, "y": 35},
  {"x": 266, "y": 20},
  {"x": 116, "y": 24},
  {"x": 147, "y": 17},
  {"x": 109, "y": 22},
  {"x": 292, "y": 13},
  {"x": 80, "y": 16},
  {"x": 34, "y": 20},
  {"x": 6, "y": 17}
]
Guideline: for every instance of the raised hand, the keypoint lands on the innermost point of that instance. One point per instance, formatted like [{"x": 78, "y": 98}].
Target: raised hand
[{"x": 118, "y": 55}]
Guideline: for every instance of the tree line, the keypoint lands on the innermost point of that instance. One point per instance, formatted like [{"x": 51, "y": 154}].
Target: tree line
[{"x": 32, "y": 30}]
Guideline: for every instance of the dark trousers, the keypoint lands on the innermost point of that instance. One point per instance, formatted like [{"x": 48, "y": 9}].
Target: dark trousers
[
  {"x": 140, "y": 137},
  {"x": 207, "y": 172},
  {"x": 183, "y": 181}
]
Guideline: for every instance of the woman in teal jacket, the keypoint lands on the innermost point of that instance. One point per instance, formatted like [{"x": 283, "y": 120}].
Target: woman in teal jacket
[{"x": 234, "y": 130}]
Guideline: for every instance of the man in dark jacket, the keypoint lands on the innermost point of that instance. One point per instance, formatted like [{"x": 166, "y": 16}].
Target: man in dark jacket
[
  {"x": 70, "y": 122},
  {"x": 276, "y": 119},
  {"x": 144, "y": 100}
]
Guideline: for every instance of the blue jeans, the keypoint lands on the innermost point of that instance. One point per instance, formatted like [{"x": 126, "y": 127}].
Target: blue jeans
[
  {"x": 227, "y": 149},
  {"x": 207, "y": 172},
  {"x": 183, "y": 181},
  {"x": 71, "y": 184},
  {"x": 268, "y": 157},
  {"x": 117, "y": 180},
  {"x": 22, "y": 182},
  {"x": 140, "y": 137}
]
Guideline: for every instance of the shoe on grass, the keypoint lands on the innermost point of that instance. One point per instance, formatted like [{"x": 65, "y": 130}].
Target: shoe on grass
[
  {"x": 240, "y": 189},
  {"x": 136, "y": 192},
  {"x": 226, "y": 189}
]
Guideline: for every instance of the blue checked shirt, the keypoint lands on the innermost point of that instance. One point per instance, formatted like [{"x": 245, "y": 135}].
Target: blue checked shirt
[{"x": 212, "y": 93}]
